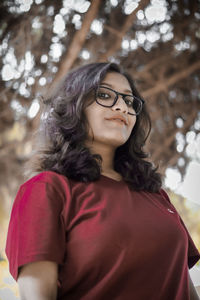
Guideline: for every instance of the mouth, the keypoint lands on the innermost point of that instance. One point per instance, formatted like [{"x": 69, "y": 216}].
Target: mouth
[{"x": 118, "y": 120}]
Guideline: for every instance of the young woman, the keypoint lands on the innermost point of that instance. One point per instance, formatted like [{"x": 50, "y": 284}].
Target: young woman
[{"x": 94, "y": 222}]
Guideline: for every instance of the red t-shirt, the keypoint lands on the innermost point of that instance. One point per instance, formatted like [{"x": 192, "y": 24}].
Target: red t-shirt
[{"x": 110, "y": 242}]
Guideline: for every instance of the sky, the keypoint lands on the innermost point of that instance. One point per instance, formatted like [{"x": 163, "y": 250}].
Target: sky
[{"x": 189, "y": 187}]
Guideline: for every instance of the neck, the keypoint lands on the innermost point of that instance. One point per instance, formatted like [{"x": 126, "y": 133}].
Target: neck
[{"x": 107, "y": 153}]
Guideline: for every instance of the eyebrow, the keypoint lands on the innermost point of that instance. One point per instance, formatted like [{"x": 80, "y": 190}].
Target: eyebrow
[{"x": 110, "y": 85}]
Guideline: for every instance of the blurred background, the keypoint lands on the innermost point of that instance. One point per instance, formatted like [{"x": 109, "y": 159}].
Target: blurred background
[{"x": 157, "y": 41}]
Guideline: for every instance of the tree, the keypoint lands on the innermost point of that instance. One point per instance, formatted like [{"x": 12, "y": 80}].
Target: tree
[{"x": 157, "y": 41}]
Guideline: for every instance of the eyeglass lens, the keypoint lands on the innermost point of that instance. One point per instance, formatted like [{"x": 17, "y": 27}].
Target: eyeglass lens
[{"x": 107, "y": 98}]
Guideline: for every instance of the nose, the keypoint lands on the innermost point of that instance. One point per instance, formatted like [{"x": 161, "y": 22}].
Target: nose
[{"x": 120, "y": 105}]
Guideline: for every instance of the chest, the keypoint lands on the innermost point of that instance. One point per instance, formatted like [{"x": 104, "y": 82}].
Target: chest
[{"x": 107, "y": 223}]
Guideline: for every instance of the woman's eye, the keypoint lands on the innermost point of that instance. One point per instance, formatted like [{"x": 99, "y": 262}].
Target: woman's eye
[
  {"x": 103, "y": 96},
  {"x": 129, "y": 103}
]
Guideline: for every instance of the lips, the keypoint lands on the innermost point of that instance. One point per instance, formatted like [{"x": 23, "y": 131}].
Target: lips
[{"x": 119, "y": 118}]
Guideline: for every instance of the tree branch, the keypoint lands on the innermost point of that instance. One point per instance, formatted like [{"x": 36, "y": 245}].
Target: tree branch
[
  {"x": 76, "y": 44},
  {"x": 164, "y": 84},
  {"x": 128, "y": 23}
]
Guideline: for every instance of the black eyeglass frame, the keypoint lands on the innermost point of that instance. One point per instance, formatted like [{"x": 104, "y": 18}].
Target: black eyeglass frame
[{"x": 117, "y": 97}]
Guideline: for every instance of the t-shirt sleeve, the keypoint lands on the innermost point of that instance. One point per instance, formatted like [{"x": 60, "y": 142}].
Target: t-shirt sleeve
[
  {"x": 193, "y": 253},
  {"x": 37, "y": 228}
]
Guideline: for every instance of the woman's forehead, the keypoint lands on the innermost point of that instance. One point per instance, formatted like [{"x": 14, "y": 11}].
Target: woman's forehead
[{"x": 116, "y": 81}]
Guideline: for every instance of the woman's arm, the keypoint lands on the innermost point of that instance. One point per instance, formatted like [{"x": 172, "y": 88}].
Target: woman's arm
[
  {"x": 193, "y": 292},
  {"x": 38, "y": 280}
]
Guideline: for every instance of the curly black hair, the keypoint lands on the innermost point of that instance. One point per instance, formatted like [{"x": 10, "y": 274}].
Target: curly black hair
[{"x": 64, "y": 130}]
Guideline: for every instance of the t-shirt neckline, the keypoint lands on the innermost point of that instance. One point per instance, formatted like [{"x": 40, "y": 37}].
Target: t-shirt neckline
[{"x": 110, "y": 178}]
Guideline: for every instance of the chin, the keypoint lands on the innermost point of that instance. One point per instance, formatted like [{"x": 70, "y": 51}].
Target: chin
[
  {"x": 116, "y": 143},
  {"x": 117, "y": 140}
]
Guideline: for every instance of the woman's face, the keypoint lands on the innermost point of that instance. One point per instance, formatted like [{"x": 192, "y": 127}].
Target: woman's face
[{"x": 105, "y": 125}]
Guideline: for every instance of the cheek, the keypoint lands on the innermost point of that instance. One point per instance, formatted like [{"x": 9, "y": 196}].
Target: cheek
[
  {"x": 132, "y": 123},
  {"x": 94, "y": 126}
]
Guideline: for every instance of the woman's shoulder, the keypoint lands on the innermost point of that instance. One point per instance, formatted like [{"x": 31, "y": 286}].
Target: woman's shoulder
[
  {"x": 164, "y": 194},
  {"x": 51, "y": 178},
  {"x": 44, "y": 176}
]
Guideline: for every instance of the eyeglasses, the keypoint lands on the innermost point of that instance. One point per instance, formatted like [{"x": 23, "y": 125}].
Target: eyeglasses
[{"x": 107, "y": 97}]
